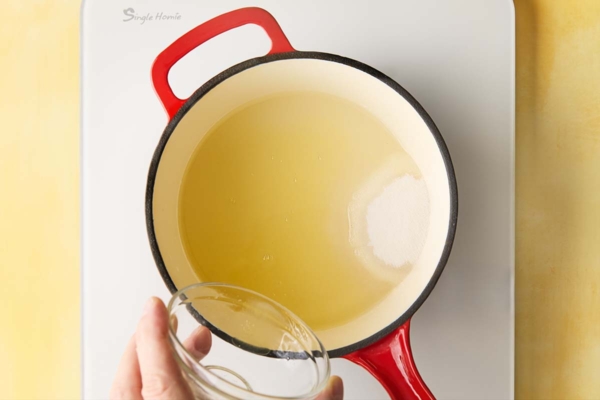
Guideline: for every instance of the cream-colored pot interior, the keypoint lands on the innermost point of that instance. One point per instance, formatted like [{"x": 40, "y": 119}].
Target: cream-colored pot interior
[{"x": 321, "y": 76}]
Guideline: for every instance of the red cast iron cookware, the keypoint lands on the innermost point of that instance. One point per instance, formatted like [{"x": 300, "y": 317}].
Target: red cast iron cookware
[{"x": 379, "y": 341}]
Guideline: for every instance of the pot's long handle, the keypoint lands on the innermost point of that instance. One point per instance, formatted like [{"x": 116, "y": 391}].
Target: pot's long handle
[
  {"x": 202, "y": 33},
  {"x": 390, "y": 360}
]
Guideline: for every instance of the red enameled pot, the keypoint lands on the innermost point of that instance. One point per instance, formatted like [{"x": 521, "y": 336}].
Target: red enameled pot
[{"x": 378, "y": 340}]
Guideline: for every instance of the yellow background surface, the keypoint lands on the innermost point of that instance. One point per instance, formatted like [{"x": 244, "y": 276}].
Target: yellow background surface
[{"x": 558, "y": 199}]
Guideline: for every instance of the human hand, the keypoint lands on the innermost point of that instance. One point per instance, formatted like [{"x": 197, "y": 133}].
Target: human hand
[{"x": 148, "y": 369}]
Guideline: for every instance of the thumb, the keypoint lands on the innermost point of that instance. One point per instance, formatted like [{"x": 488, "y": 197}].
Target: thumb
[{"x": 161, "y": 376}]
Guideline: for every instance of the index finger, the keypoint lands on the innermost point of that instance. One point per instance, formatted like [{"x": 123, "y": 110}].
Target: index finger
[
  {"x": 333, "y": 391},
  {"x": 198, "y": 344}
]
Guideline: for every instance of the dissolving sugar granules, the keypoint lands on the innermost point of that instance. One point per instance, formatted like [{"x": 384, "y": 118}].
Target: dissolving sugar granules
[
  {"x": 397, "y": 221},
  {"x": 389, "y": 219}
]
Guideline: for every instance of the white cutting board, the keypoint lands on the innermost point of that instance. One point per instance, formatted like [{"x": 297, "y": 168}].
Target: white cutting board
[{"x": 455, "y": 56}]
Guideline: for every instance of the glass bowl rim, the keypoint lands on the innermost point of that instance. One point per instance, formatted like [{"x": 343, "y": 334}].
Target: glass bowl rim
[{"x": 181, "y": 348}]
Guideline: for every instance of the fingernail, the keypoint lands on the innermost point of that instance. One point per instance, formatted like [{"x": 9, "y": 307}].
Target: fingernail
[
  {"x": 337, "y": 388},
  {"x": 150, "y": 304},
  {"x": 202, "y": 340}
]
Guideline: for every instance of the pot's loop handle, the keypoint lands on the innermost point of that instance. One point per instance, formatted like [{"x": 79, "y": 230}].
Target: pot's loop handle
[
  {"x": 391, "y": 362},
  {"x": 202, "y": 33}
]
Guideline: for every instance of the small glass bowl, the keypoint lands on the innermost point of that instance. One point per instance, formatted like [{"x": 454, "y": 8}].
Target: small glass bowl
[{"x": 260, "y": 350}]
